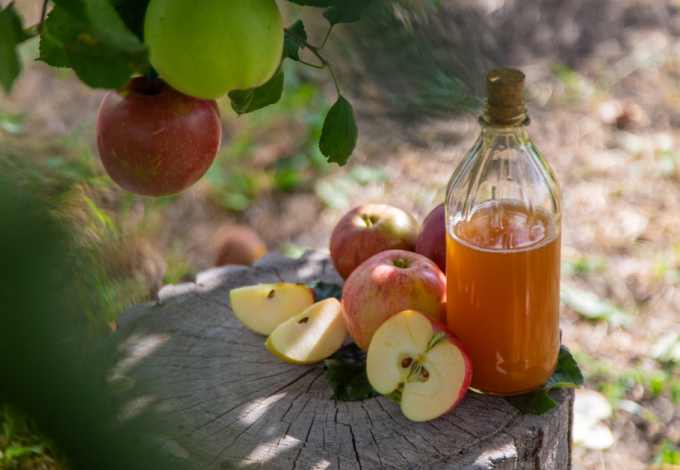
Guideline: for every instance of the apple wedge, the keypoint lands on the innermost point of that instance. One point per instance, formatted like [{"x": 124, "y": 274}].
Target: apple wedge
[
  {"x": 311, "y": 336},
  {"x": 420, "y": 364},
  {"x": 265, "y": 306}
]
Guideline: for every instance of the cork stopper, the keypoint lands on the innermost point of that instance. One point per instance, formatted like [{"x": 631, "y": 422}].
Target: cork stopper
[{"x": 504, "y": 89}]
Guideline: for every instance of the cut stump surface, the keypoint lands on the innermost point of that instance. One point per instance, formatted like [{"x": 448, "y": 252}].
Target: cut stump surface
[{"x": 194, "y": 384}]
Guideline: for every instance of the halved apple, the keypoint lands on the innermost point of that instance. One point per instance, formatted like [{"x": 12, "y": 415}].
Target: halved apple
[
  {"x": 311, "y": 336},
  {"x": 265, "y": 306},
  {"x": 420, "y": 364}
]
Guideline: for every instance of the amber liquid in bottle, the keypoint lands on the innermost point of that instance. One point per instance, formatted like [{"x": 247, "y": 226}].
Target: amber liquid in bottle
[
  {"x": 503, "y": 224},
  {"x": 503, "y": 278}
]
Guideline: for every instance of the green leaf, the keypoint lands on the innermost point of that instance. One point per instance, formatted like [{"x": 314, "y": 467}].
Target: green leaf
[
  {"x": 101, "y": 65},
  {"x": 91, "y": 37},
  {"x": 326, "y": 290},
  {"x": 291, "y": 45},
  {"x": 99, "y": 18},
  {"x": 566, "y": 375},
  {"x": 346, "y": 375},
  {"x": 348, "y": 12},
  {"x": 57, "y": 31},
  {"x": 318, "y": 3},
  {"x": 132, "y": 12},
  {"x": 339, "y": 134},
  {"x": 11, "y": 35},
  {"x": 247, "y": 101}
]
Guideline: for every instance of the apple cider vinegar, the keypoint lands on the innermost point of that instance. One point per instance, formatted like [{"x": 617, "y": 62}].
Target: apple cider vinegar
[
  {"x": 503, "y": 281},
  {"x": 503, "y": 225}
]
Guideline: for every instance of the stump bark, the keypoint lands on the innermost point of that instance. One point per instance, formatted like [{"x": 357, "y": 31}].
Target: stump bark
[{"x": 192, "y": 383}]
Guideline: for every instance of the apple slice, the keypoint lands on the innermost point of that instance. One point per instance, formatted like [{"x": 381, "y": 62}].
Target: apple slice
[
  {"x": 265, "y": 306},
  {"x": 311, "y": 336},
  {"x": 420, "y": 364}
]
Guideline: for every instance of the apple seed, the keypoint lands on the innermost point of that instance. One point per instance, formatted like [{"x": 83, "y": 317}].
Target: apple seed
[
  {"x": 304, "y": 320},
  {"x": 271, "y": 294},
  {"x": 406, "y": 362},
  {"x": 425, "y": 373}
]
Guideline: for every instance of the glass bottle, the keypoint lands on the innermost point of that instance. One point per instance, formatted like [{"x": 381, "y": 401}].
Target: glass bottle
[{"x": 503, "y": 224}]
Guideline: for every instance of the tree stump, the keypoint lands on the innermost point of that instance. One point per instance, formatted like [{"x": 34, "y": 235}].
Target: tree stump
[{"x": 194, "y": 384}]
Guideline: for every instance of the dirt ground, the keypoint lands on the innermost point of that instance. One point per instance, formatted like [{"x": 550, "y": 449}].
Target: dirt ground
[{"x": 603, "y": 95}]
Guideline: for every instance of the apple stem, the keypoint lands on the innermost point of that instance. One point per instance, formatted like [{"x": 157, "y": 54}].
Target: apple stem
[
  {"x": 152, "y": 74},
  {"x": 400, "y": 263},
  {"x": 367, "y": 219}
]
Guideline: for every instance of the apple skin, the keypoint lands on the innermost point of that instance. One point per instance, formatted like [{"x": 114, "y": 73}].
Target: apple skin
[
  {"x": 450, "y": 337},
  {"x": 367, "y": 230},
  {"x": 431, "y": 241},
  {"x": 154, "y": 140},
  {"x": 208, "y": 48},
  {"x": 379, "y": 289}
]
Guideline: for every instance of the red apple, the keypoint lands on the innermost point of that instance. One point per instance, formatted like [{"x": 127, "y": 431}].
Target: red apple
[
  {"x": 154, "y": 140},
  {"x": 386, "y": 284},
  {"x": 368, "y": 230},
  {"x": 420, "y": 364},
  {"x": 431, "y": 240}
]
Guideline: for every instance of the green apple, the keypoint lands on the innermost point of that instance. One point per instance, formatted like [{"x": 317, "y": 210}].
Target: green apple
[
  {"x": 208, "y": 48},
  {"x": 311, "y": 336},
  {"x": 264, "y": 307}
]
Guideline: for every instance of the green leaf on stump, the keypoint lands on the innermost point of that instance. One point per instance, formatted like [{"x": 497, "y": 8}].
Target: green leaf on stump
[
  {"x": 11, "y": 35},
  {"x": 252, "y": 99},
  {"x": 326, "y": 290},
  {"x": 291, "y": 45},
  {"x": 566, "y": 375},
  {"x": 339, "y": 134},
  {"x": 346, "y": 374},
  {"x": 347, "y": 12}
]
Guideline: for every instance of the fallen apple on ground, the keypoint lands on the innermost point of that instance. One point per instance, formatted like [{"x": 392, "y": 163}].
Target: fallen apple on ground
[
  {"x": 367, "y": 230},
  {"x": 431, "y": 241},
  {"x": 241, "y": 245},
  {"x": 264, "y": 307},
  {"x": 386, "y": 284},
  {"x": 311, "y": 336},
  {"x": 420, "y": 364}
]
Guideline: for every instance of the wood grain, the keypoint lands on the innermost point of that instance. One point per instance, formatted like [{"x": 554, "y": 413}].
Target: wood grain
[{"x": 194, "y": 385}]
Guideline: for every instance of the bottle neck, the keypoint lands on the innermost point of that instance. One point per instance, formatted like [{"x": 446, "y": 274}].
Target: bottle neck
[{"x": 504, "y": 118}]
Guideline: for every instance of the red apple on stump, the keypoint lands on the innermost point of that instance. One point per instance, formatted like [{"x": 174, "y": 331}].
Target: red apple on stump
[
  {"x": 431, "y": 241},
  {"x": 420, "y": 364},
  {"x": 154, "y": 140},
  {"x": 368, "y": 230},
  {"x": 386, "y": 284}
]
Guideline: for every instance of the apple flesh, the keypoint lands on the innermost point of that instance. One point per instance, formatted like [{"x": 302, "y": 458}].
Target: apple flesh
[
  {"x": 208, "y": 48},
  {"x": 263, "y": 307},
  {"x": 311, "y": 336},
  {"x": 154, "y": 140},
  {"x": 420, "y": 364},
  {"x": 431, "y": 240},
  {"x": 386, "y": 284},
  {"x": 368, "y": 230}
]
